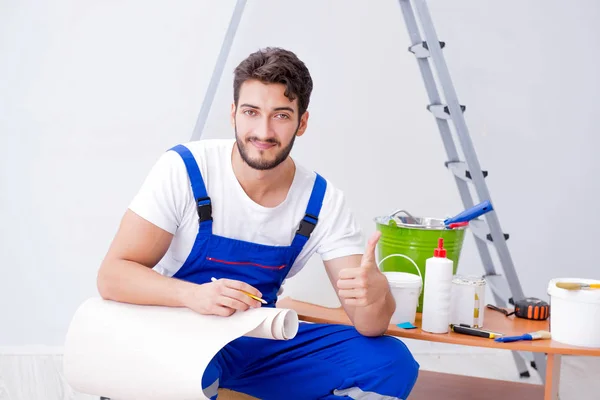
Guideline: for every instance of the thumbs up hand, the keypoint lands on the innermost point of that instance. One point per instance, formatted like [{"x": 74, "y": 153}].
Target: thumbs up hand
[{"x": 364, "y": 285}]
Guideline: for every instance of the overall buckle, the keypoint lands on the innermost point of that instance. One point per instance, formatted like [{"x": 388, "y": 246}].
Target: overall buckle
[
  {"x": 306, "y": 226},
  {"x": 204, "y": 210}
]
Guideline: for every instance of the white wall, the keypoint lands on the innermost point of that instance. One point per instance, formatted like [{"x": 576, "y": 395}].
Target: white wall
[
  {"x": 93, "y": 92},
  {"x": 96, "y": 91}
]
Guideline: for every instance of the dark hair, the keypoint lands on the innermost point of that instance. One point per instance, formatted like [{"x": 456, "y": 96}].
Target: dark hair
[{"x": 276, "y": 65}]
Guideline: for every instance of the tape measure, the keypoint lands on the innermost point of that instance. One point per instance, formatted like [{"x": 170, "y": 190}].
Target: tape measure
[
  {"x": 527, "y": 308},
  {"x": 532, "y": 308}
]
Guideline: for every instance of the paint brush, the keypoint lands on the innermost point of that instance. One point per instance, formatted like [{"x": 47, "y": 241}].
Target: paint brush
[
  {"x": 528, "y": 336},
  {"x": 246, "y": 293},
  {"x": 577, "y": 285}
]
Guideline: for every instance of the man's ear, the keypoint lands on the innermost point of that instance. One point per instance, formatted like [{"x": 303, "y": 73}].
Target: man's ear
[
  {"x": 232, "y": 115},
  {"x": 303, "y": 124}
]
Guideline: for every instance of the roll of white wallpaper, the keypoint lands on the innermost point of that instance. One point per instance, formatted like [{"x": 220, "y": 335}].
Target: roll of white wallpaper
[{"x": 125, "y": 351}]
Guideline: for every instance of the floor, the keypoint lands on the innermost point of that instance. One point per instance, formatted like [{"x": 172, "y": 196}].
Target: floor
[
  {"x": 578, "y": 381},
  {"x": 34, "y": 377}
]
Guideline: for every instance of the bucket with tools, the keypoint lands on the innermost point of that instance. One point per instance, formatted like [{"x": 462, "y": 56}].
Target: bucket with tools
[{"x": 415, "y": 238}]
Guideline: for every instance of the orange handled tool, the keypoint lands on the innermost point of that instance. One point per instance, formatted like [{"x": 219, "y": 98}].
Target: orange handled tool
[
  {"x": 532, "y": 308},
  {"x": 528, "y": 308}
]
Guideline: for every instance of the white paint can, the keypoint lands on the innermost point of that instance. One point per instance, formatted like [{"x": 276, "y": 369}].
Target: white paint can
[
  {"x": 467, "y": 304},
  {"x": 575, "y": 314},
  {"x": 406, "y": 289}
]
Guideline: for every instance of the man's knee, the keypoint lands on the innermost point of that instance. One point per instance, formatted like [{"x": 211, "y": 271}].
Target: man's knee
[
  {"x": 404, "y": 362},
  {"x": 394, "y": 367}
]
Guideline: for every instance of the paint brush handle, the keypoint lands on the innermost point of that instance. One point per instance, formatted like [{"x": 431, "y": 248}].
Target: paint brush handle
[
  {"x": 506, "y": 339},
  {"x": 577, "y": 285},
  {"x": 470, "y": 213}
]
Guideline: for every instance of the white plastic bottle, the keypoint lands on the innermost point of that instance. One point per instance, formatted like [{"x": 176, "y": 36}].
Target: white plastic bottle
[{"x": 437, "y": 291}]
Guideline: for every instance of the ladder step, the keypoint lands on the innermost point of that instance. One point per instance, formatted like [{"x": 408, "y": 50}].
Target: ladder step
[
  {"x": 421, "y": 50},
  {"x": 491, "y": 239},
  {"x": 459, "y": 168},
  {"x": 482, "y": 231},
  {"x": 442, "y": 111},
  {"x": 499, "y": 286}
]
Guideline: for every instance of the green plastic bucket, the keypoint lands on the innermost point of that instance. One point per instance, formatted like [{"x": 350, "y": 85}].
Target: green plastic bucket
[{"x": 415, "y": 238}]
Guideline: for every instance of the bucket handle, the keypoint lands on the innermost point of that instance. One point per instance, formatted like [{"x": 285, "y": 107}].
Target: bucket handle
[
  {"x": 403, "y": 256},
  {"x": 405, "y": 212}
]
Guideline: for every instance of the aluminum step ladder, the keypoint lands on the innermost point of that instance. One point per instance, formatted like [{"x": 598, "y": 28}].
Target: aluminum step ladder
[
  {"x": 428, "y": 51},
  {"x": 447, "y": 110}
]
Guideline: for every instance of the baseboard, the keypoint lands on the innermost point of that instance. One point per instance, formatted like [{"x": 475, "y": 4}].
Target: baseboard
[
  {"x": 35, "y": 373},
  {"x": 31, "y": 350}
]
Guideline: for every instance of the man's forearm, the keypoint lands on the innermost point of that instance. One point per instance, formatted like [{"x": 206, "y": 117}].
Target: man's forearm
[
  {"x": 373, "y": 320},
  {"x": 130, "y": 282}
]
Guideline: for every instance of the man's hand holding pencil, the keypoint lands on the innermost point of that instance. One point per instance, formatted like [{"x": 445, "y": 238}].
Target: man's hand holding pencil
[{"x": 222, "y": 297}]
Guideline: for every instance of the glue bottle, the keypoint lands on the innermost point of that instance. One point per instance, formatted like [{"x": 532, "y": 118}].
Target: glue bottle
[{"x": 437, "y": 291}]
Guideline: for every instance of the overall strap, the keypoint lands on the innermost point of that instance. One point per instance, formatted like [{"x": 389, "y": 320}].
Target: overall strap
[
  {"x": 311, "y": 217},
  {"x": 203, "y": 204}
]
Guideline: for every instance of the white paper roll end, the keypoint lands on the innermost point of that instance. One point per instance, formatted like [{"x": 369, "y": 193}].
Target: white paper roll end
[{"x": 290, "y": 324}]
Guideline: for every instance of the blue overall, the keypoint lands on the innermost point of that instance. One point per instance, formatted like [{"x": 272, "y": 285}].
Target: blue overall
[{"x": 323, "y": 361}]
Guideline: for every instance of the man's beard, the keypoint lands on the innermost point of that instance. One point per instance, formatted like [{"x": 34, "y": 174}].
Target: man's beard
[{"x": 263, "y": 165}]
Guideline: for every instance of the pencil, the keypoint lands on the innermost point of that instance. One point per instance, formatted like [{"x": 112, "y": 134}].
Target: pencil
[{"x": 246, "y": 293}]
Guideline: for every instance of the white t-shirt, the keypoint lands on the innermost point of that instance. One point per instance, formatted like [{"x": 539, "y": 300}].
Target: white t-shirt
[{"x": 166, "y": 200}]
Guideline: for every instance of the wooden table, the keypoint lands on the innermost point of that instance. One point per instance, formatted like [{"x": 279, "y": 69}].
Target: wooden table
[{"x": 449, "y": 386}]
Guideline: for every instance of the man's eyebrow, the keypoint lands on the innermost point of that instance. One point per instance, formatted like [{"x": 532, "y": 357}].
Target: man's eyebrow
[
  {"x": 250, "y": 105},
  {"x": 275, "y": 109},
  {"x": 284, "y": 109}
]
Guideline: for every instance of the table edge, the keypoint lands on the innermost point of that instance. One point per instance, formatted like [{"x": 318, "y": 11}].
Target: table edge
[{"x": 528, "y": 346}]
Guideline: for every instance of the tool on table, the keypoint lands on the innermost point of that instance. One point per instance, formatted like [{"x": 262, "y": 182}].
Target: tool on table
[
  {"x": 467, "y": 330},
  {"x": 246, "y": 293},
  {"x": 577, "y": 285},
  {"x": 528, "y": 336},
  {"x": 528, "y": 308},
  {"x": 469, "y": 214}
]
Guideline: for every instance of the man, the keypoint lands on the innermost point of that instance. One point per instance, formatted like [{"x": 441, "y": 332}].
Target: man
[{"x": 244, "y": 213}]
